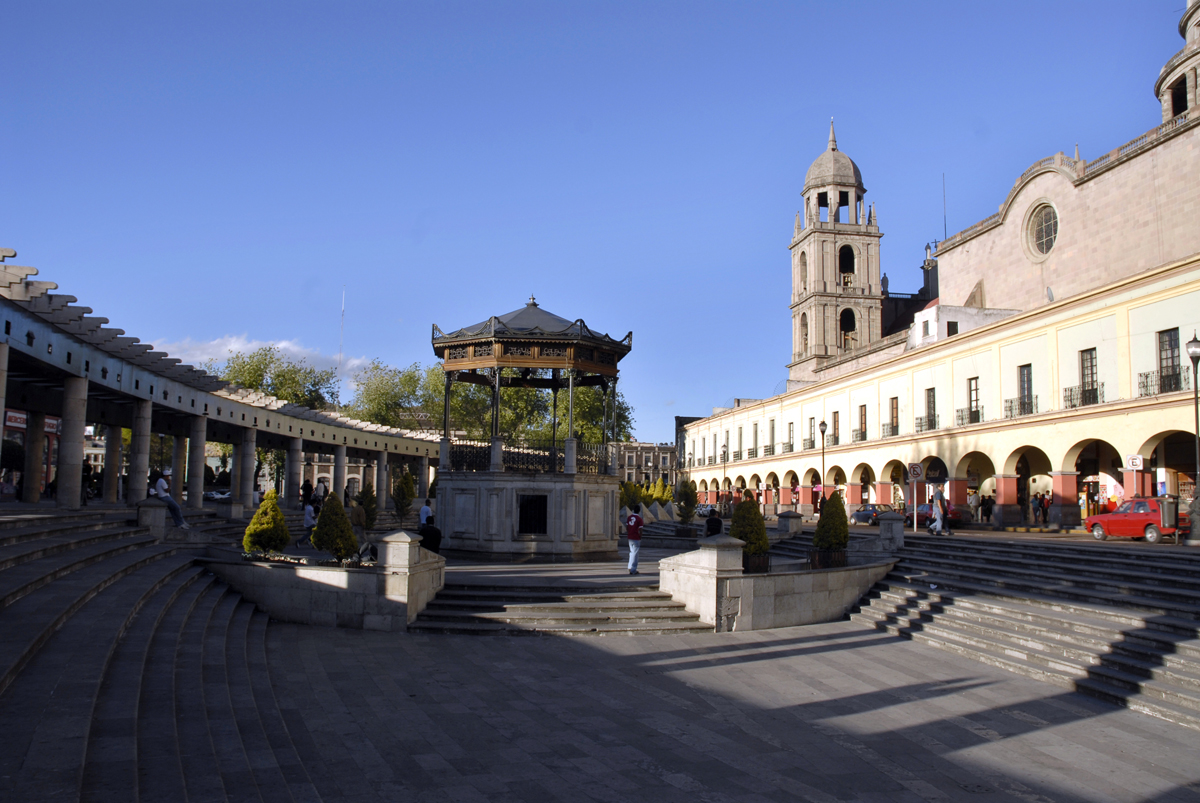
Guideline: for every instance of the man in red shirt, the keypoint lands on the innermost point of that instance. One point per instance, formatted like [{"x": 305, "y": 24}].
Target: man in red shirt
[{"x": 633, "y": 528}]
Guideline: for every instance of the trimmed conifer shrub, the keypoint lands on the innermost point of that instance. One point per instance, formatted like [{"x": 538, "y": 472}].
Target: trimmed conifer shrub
[
  {"x": 748, "y": 526},
  {"x": 404, "y": 493},
  {"x": 687, "y": 502},
  {"x": 333, "y": 533},
  {"x": 366, "y": 498},
  {"x": 267, "y": 531},
  {"x": 833, "y": 531}
]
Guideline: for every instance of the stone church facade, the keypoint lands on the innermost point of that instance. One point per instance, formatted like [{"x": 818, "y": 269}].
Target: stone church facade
[{"x": 1044, "y": 354}]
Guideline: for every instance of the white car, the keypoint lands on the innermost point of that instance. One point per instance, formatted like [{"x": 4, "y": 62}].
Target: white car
[{"x": 704, "y": 511}]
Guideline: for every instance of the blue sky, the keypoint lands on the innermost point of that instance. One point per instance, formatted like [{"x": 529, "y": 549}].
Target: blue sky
[{"x": 208, "y": 174}]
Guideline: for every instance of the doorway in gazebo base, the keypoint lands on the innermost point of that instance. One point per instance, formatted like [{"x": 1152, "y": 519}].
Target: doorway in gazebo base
[{"x": 518, "y": 517}]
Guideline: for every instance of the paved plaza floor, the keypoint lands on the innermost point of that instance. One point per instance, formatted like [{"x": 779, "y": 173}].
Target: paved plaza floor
[{"x": 833, "y": 712}]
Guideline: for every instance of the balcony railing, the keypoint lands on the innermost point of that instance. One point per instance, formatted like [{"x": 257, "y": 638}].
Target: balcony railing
[
  {"x": 1015, "y": 408},
  {"x": 927, "y": 423},
  {"x": 968, "y": 415},
  {"x": 810, "y": 443},
  {"x": 752, "y": 453},
  {"x": 889, "y": 430},
  {"x": 831, "y": 439},
  {"x": 858, "y": 435},
  {"x": 768, "y": 450},
  {"x": 786, "y": 448},
  {"x": 737, "y": 455},
  {"x": 1083, "y": 395},
  {"x": 712, "y": 459},
  {"x": 1153, "y": 383}
]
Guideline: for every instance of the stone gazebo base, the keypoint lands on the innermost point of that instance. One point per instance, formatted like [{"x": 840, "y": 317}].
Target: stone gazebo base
[{"x": 518, "y": 517}]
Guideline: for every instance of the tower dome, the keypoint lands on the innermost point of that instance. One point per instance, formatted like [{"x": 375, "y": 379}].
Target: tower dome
[{"x": 833, "y": 168}]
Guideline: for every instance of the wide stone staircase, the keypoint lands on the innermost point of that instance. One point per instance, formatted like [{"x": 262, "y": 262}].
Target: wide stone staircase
[
  {"x": 567, "y": 610},
  {"x": 1119, "y": 622},
  {"x": 128, "y": 671}
]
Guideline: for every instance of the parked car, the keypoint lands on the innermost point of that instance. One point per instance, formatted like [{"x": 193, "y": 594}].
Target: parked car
[
  {"x": 1141, "y": 518},
  {"x": 869, "y": 514},
  {"x": 216, "y": 496},
  {"x": 704, "y": 511}
]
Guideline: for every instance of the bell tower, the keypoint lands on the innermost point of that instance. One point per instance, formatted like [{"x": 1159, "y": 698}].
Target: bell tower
[{"x": 837, "y": 301}]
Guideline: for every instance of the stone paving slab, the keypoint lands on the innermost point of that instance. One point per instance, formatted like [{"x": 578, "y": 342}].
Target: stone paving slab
[{"x": 833, "y": 712}]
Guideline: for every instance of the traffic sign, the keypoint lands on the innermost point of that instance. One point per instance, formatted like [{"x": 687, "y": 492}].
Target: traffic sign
[
  {"x": 915, "y": 471},
  {"x": 1136, "y": 462}
]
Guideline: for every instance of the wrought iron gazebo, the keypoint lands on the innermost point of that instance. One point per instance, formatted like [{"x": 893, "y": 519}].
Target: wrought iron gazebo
[{"x": 517, "y": 500}]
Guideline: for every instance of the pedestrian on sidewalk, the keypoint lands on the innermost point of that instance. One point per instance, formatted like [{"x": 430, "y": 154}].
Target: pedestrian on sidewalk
[
  {"x": 939, "y": 511},
  {"x": 426, "y": 511},
  {"x": 633, "y": 529},
  {"x": 713, "y": 524},
  {"x": 310, "y": 521}
]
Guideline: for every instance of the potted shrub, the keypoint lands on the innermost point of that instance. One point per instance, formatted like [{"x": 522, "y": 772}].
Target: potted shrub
[
  {"x": 267, "y": 531},
  {"x": 748, "y": 526},
  {"x": 686, "y": 507},
  {"x": 333, "y": 533},
  {"x": 832, "y": 536}
]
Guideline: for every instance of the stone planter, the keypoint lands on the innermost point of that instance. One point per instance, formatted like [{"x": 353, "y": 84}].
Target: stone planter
[
  {"x": 826, "y": 558},
  {"x": 684, "y": 531},
  {"x": 756, "y": 564}
]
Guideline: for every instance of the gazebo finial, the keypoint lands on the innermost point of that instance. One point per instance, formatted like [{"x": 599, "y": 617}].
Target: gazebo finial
[{"x": 532, "y": 301}]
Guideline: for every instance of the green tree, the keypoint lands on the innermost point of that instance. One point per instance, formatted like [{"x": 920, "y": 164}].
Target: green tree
[
  {"x": 333, "y": 533},
  {"x": 267, "y": 531},
  {"x": 687, "y": 502},
  {"x": 268, "y": 370},
  {"x": 395, "y": 397},
  {"x": 748, "y": 526},
  {"x": 833, "y": 531},
  {"x": 366, "y": 498},
  {"x": 632, "y": 494}
]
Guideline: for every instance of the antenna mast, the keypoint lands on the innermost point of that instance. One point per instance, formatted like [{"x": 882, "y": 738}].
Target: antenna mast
[
  {"x": 341, "y": 341},
  {"x": 945, "y": 235}
]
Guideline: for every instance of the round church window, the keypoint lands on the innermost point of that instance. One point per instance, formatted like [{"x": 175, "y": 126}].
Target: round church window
[{"x": 1044, "y": 228}]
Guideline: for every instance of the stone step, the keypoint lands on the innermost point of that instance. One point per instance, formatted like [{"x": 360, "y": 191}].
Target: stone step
[
  {"x": 56, "y": 543},
  {"x": 110, "y": 765},
  {"x": 30, "y": 621},
  {"x": 53, "y": 528},
  {"x": 22, "y": 580},
  {"x": 10, "y": 521},
  {"x": 1170, "y": 575},
  {"x": 48, "y": 707},
  {"x": 1119, "y": 553},
  {"x": 220, "y": 718},
  {"x": 558, "y": 617},
  {"x": 1054, "y": 584},
  {"x": 478, "y": 606},
  {"x": 196, "y": 754},
  {"x": 159, "y": 772},
  {"x": 275, "y": 728},
  {"x": 534, "y": 597},
  {"x": 608, "y": 629}
]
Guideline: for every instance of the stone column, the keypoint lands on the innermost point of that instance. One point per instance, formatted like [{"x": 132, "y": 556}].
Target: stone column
[
  {"x": 1064, "y": 507},
  {"x": 139, "y": 452},
  {"x": 292, "y": 469},
  {"x": 339, "y": 472},
  {"x": 179, "y": 464},
  {"x": 35, "y": 445},
  {"x": 423, "y": 487},
  {"x": 1007, "y": 512},
  {"x": 854, "y": 493},
  {"x": 235, "y": 473},
  {"x": 112, "y": 463},
  {"x": 957, "y": 492},
  {"x": 249, "y": 455},
  {"x": 196, "y": 461},
  {"x": 883, "y": 493},
  {"x": 70, "y": 442},
  {"x": 383, "y": 494},
  {"x": 570, "y": 456}
]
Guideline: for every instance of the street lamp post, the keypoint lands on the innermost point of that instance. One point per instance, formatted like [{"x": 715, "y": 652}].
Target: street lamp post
[
  {"x": 822, "y": 427},
  {"x": 724, "y": 455},
  {"x": 1193, "y": 351}
]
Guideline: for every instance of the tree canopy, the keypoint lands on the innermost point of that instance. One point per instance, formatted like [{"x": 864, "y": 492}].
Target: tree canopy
[
  {"x": 266, "y": 369},
  {"x": 413, "y": 398}
]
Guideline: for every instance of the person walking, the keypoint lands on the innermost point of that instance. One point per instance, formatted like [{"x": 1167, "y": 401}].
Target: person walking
[
  {"x": 162, "y": 489},
  {"x": 306, "y": 492},
  {"x": 973, "y": 504},
  {"x": 310, "y": 521},
  {"x": 939, "y": 512},
  {"x": 633, "y": 529},
  {"x": 431, "y": 536},
  {"x": 426, "y": 511}
]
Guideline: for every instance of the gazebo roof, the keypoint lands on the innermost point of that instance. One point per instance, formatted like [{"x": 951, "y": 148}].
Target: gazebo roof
[{"x": 530, "y": 322}]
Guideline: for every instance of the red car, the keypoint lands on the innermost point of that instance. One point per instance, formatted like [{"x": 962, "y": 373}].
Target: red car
[
  {"x": 957, "y": 516},
  {"x": 1141, "y": 518}
]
